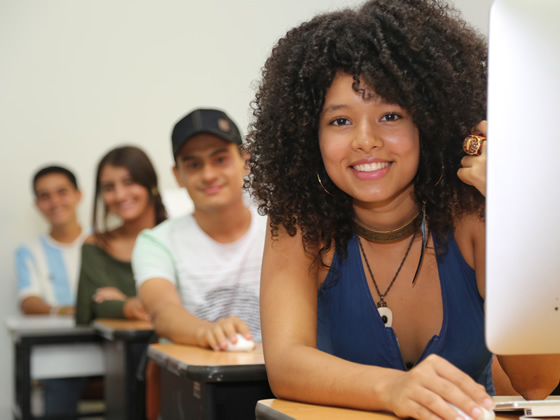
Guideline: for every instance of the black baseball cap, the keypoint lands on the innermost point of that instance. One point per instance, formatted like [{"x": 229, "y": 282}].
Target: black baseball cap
[{"x": 209, "y": 121}]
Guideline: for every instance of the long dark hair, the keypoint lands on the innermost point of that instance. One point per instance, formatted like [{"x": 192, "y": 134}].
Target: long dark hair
[{"x": 141, "y": 171}]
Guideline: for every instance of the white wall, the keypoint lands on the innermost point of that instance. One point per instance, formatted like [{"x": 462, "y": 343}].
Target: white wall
[{"x": 80, "y": 77}]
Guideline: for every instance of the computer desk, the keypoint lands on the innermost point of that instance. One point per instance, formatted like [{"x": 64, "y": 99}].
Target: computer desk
[
  {"x": 274, "y": 409},
  {"x": 207, "y": 384},
  {"x": 48, "y": 347},
  {"x": 125, "y": 346}
]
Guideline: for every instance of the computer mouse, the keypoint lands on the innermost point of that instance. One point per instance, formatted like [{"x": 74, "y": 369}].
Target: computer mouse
[
  {"x": 242, "y": 344},
  {"x": 486, "y": 414}
]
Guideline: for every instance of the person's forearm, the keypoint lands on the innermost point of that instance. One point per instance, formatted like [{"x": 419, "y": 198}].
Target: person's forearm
[
  {"x": 34, "y": 305},
  {"x": 177, "y": 325},
  {"x": 533, "y": 376},
  {"x": 327, "y": 380}
]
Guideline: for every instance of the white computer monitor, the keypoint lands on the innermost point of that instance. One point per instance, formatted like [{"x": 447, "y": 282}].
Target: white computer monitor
[{"x": 523, "y": 191}]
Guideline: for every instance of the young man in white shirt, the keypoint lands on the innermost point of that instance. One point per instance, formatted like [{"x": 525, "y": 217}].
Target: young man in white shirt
[
  {"x": 198, "y": 275},
  {"x": 47, "y": 267}
]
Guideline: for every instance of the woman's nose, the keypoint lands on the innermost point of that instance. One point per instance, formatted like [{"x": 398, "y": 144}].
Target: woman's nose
[
  {"x": 367, "y": 137},
  {"x": 120, "y": 192}
]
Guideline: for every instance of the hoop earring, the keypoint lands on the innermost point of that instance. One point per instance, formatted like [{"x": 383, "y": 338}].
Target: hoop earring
[{"x": 322, "y": 186}]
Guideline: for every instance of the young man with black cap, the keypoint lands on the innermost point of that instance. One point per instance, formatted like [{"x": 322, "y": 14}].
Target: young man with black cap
[{"x": 198, "y": 275}]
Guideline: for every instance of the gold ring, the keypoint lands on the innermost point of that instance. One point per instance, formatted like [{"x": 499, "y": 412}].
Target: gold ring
[{"x": 472, "y": 145}]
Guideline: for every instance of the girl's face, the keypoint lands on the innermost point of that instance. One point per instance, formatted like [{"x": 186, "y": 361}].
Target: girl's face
[
  {"x": 370, "y": 148},
  {"x": 122, "y": 196}
]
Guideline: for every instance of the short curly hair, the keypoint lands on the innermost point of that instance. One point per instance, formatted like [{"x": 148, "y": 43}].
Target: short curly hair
[{"x": 418, "y": 54}]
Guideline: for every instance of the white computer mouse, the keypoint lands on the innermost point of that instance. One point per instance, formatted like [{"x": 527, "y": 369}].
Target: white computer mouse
[
  {"x": 242, "y": 344},
  {"x": 486, "y": 414}
]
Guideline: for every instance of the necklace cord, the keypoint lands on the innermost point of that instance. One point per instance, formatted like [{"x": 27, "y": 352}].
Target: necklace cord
[
  {"x": 424, "y": 241},
  {"x": 381, "y": 296}
]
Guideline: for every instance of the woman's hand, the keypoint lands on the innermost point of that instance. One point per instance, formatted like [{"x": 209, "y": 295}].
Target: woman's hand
[
  {"x": 108, "y": 293},
  {"x": 133, "y": 309},
  {"x": 426, "y": 391},
  {"x": 473, "y": 171},
  {"x": 217, "y": 334}
]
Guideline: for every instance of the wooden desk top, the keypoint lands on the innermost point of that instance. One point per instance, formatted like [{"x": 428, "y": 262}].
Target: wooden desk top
[
  {"x": 208, "y": 365},
  {"x": 45, "y": 325},
  {"x": 123, "y": 328},
  {"x": 286, "y": 410}
]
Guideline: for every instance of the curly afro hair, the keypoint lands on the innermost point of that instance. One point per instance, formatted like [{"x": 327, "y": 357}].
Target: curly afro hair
[{"x": 418, "y": 54}]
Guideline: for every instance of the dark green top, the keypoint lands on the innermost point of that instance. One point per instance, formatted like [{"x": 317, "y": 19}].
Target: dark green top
[{"x": 99, "y": 269}]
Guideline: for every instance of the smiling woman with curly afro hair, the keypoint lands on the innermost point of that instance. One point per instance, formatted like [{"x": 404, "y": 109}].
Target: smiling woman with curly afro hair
[
  {"x": 373, "y": 282},
  {"x": 415, "y": 54}
]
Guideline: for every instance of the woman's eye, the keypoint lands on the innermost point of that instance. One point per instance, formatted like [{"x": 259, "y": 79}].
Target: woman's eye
[
  {"x": 340, "y": 121},
  {"x": 390, "y": 117}
]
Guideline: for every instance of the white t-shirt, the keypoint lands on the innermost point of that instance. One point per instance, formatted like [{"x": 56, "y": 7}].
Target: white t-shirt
[
  {"x": 214, "y": 280},
  {"x": 49, "y": 269}
]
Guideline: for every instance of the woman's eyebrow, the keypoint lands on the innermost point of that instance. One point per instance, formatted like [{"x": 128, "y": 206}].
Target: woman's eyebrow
[{"x": 334, "y": 107}]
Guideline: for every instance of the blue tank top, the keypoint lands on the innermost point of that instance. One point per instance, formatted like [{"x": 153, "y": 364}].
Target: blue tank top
[{"x": 349, "y": 325}]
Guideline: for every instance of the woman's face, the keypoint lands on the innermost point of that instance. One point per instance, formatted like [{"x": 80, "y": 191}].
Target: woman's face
[
  {"x": 122, "y": 196},
  {"x": 370, "y": 148}
]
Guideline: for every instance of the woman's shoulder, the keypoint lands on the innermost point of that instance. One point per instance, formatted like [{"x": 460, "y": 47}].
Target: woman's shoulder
[
  {"x": 90, "y": 240},
  {"x": 98, "y": 241},
  {"x": 468, "y": 223},
  {"x": 469, "y": 232},
  {"x": 95, "y": 246},
  {"x": 314, "y": 259},
  {"x": 96, "y": 253},
  {"x": 91, "y": 248}
]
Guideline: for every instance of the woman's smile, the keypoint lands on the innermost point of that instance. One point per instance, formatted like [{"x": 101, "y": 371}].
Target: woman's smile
[{"x": 370, "y": 167}]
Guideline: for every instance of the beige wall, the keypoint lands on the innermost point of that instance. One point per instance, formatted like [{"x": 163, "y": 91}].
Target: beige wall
[{"x": 80, "y": 77}]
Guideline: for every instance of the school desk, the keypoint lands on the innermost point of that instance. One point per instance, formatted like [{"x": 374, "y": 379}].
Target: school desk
[
  {"x": 48, "y": 347},
  {"x": 198, "y": 383},
  {"x": 125, "y": 346},
  {"x": 274, "y": 409}
]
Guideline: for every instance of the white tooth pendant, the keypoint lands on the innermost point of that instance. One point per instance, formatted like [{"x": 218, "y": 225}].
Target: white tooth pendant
[{"x": 386, "y": 315}]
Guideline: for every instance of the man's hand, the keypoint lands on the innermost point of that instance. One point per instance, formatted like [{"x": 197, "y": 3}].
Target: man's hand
[
  {"x": 216, "y": 335},
  {"x": 133, "y": 309}
]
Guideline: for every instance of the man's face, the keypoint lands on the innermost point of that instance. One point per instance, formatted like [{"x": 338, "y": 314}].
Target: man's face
[
  {"x": 57, "y": 198},
  {"x": 212, "y": 170}
]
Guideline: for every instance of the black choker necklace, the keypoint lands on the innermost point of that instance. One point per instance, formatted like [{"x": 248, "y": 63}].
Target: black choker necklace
[
  {"x": 393, "y": 235},
  {"x": 388, "y": 235}
]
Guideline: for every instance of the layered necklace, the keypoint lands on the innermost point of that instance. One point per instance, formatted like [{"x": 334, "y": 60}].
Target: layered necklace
[{"x": 389, "y": 236}]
